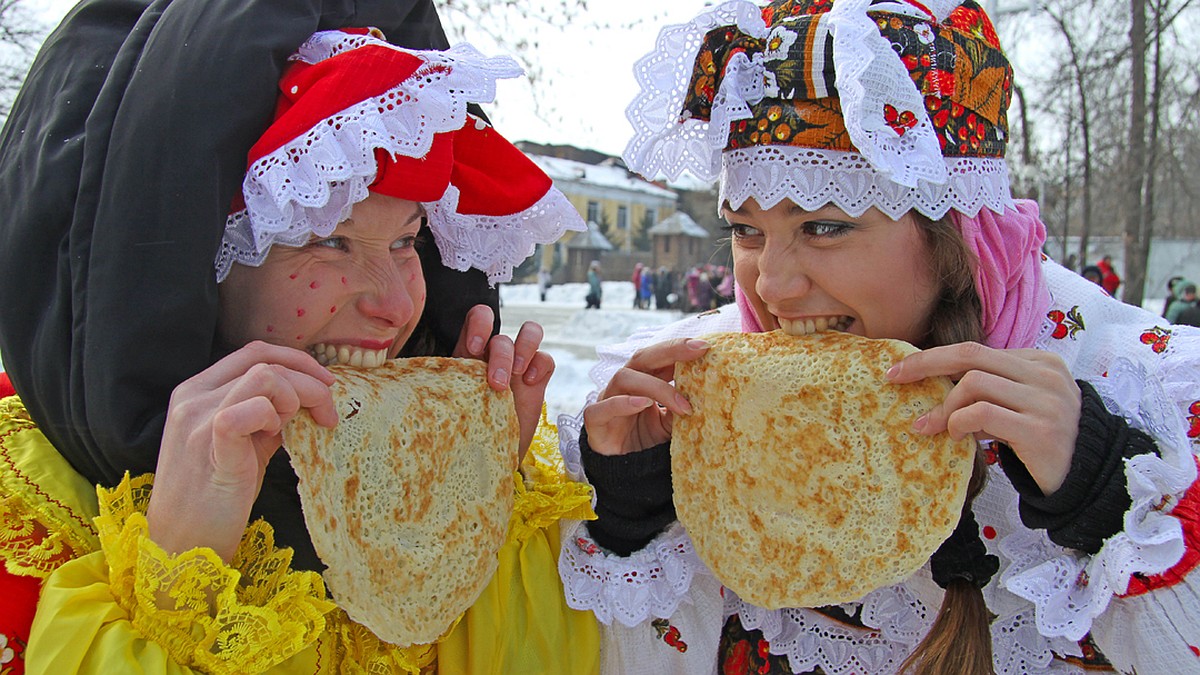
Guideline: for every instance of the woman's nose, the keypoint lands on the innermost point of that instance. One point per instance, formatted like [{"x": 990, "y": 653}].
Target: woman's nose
[
  {"x": 781, "y": 276},
  {"x": 388, "y": 294}
]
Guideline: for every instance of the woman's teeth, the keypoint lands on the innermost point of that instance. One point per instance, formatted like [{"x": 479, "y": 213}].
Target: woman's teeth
[
  {"x": 807, "y": 326},
  {"x": 332, "y": 355}
]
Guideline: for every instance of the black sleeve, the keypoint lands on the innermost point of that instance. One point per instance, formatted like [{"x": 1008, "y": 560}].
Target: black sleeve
[
  {"x": 1091, "y": 504},
  {"x": 633, "y": 496}
]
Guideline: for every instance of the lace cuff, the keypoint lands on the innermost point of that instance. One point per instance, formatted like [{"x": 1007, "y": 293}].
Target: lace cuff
[
  {"x": 1068, "y": 589},
  {"x": 651, "y": 583},
  {"x": 206, "y": 614}
]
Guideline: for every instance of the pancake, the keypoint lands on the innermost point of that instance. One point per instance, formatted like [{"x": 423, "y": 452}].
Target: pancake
[
  {"x": 408, "y": 499},
  {"x": 798, "y": 476}
]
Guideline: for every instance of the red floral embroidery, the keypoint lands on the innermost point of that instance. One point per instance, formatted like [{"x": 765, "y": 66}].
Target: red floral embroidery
[
  {"x": 900, "y": 122},
  {"x": 586, "y": 546},
  {"x": 1157, "y": 338},
  {"x": 1194, "y": 420},
  {"x": 1066, "y": 324},
  {"x": 738, "y": 660},
  {"x": 669, "y": 634}
]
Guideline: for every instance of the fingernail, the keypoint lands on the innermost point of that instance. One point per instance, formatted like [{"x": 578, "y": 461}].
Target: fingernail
[
  {"x": 502, "y": 376},
  {"x": 475, "y": 345},
  {"x": 531, "y": 374},
  {"x": 518, "y": 364},
  {"x": 697, "y": 344},
  {"x": 683, "y": 403},
  {"x": 892, "y": 372},
  {"x": 919, "y": 424},
  {"x": 640, "y": 401}
]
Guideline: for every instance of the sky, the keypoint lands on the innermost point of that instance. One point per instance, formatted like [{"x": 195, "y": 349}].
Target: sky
[{"x": 590, "y": 72}]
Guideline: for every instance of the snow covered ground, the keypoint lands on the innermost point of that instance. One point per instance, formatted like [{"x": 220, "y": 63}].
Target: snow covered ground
[{"x": 572, "y": 333}]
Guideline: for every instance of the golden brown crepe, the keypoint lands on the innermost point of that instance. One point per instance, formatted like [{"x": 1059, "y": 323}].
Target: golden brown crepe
[
  {"x": 798, "y": 476},
  {"x": 408, "y": 499}
]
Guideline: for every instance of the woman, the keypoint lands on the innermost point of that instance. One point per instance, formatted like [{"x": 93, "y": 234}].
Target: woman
[
  {"x": 209, "y": 328},
  {"x": 860, "y": 154}
]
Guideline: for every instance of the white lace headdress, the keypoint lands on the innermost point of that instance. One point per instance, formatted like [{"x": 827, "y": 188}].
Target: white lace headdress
[
  {"x": 319, "y": 157},
  {"x": 888, "y": 104}
]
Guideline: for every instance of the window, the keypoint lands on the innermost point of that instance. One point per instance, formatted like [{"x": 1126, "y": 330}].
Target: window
[
  {"x": 651, "y": 218},
  {"x": 593, "y": 214},
  {"x": 622, "y": 217}
]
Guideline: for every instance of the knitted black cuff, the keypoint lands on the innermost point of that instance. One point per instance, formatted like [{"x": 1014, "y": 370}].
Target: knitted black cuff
[
  {"x": 633, "y": 496},
  {"x": 1091, "y": 504}
]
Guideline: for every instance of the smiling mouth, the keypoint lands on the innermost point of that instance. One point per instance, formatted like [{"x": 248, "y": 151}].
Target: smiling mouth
[
  {"x": 345, "y": 355},
  {"x": 814, "y": 325}
]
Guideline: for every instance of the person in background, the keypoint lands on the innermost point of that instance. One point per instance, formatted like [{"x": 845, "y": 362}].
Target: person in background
[
  {"x": 664, "y": 286},
  {"x": 882, "y": 207},
  {"x": 1109, "y": 279},
  {"x": 637, "y": 285},
  {"x": 1171, "y": 290},
  {"x": 543, "y": 283},
  {"x": 239, "y": 220},
  {"x": 1186, "y": 300},
  {"x": 595, "y": 290},
  {"x": 645, "y": 289},
  {"x": 1093, "y": 274}
]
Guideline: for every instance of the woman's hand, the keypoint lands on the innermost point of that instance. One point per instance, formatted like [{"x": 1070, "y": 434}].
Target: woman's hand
[
  {"x": 637, "y": 408},
  {"x": 223, "y": 425},
  {"x": 1024, "y": 397},
  {"x": 517, "y": 365}
]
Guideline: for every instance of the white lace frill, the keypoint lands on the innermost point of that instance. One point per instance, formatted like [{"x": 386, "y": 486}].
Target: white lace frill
[
  {"x": 309, "y": 185},
  {"x": 496, "y": 244},
  {"x": 812, "y": 178},
  {"x": 649, "y": 584},
  {"x": 1152, "y": 392},
  {"x": 664, "y": 145},
  {"x": 893, "y": 172}
]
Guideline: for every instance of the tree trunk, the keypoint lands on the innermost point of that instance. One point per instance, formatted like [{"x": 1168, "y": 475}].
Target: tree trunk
[{"x": 1136, "y": 245}]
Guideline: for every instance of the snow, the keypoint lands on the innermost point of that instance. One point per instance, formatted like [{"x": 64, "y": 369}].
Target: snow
[{"x": 572, "y": 333}]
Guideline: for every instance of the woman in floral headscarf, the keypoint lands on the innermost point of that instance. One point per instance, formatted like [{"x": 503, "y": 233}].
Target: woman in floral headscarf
[{"x": 859, "y": 147}]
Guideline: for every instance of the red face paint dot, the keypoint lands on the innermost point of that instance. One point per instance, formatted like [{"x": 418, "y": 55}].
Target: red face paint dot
[
  {"x": 333, "y": 309},
  {"x": 291, "y": 276},
  {"x": 989, "y": 532},
  {"x": 270, "y": 329},
  {"x": 299, "y": 338},
  {"x": 343, "y": 280},
  {"x": 314, "y": 285},
  {"x": 300, "y": 312}
]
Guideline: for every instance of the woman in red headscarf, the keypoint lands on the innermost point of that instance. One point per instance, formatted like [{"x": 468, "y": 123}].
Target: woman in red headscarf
[{"x": 148, "y": 325}]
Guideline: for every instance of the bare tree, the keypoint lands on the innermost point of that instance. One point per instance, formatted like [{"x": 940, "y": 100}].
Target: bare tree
[{"x": 20, "y": 35}]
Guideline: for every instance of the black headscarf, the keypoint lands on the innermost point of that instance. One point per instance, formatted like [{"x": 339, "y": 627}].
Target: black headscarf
[{"x": 118, "y": 165}]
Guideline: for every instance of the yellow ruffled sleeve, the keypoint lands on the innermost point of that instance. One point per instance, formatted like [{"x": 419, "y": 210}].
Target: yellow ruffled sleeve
[
  {"x": 132, "y": 607},
  {"x": 521, "y": 622}
]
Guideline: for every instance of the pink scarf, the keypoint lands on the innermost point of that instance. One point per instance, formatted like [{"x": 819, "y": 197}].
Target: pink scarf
[{"x": 1008, "y": 280}]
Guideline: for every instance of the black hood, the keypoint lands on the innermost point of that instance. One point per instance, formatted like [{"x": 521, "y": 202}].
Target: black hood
[{"x": 118, "y": 165}]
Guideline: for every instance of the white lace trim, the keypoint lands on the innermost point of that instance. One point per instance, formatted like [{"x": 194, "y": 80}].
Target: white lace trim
[
  {"x": 328, "y": 43},
  {"x": 662, "y": 145},
  {"x": 810, "y": 640},
  {"x": 310, "y": 184},
  {"x": 649, "y": 584},
  {"x": 812, "y": 178},
  {"x": 496, "y": 244}
]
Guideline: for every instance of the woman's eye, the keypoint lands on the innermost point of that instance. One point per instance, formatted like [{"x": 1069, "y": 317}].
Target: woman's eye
[
  {"x": 826, "y": 228},
  {"x": 740, "y": 230},
  {"x": 410, "y": 242},
  {"x": 338, "y": 243}
]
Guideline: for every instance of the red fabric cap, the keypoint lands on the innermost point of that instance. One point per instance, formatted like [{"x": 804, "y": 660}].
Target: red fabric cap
[{"x": 493, "y": 177}]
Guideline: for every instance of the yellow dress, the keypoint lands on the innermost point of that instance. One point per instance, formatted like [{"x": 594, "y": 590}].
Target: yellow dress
[{"x": 114, "y": 602}]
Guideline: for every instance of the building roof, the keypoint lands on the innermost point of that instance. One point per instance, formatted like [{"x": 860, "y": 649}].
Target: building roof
[
  {"x": 593, "y": 239},
  {"x": 601, "y": 175},
  {"x": 679, "y": 223}
]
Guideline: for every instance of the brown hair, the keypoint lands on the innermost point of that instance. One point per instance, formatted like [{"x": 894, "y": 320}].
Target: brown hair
[{"x": 960, "y": 641}]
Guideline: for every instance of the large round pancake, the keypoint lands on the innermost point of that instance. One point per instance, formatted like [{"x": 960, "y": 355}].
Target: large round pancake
[
  {"x": 798, "y": 476},
  {"x": 408, "y": 499}
]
